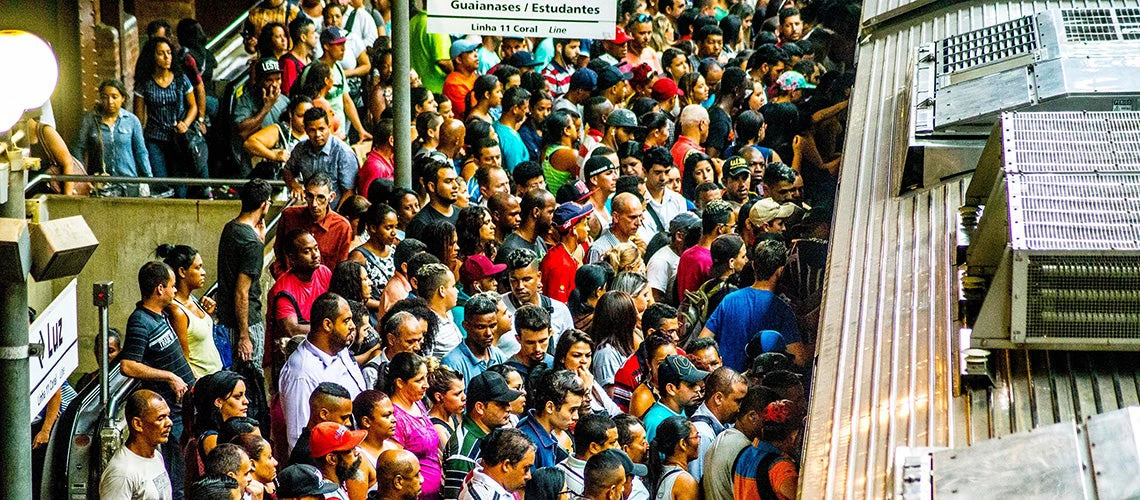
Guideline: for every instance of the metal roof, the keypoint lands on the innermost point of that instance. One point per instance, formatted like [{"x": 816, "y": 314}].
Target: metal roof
[{"x": 886, "y": 363}]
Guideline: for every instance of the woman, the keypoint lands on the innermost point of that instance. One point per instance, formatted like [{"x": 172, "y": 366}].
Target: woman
[
  {"x": 674, "y": 446},
  {"x": 376, "y": 254},
  {"x": 448, "y": 396},
  {"x": 374, "y": 414},
  {"x": 476, "y": 131},
  {"x": 574, "y": 352},
  {"x": 516, "y": 383},
  {"x": 637, "y": 286},
  {"x": 629, "y": 154},
  {"x": 675, "y": 63},
  {"x": 698, "y": 170},
  {"x": 485, "y": 95},
  {"x": 547, "y": 482},
  {"x": 475, "y": 233},
  {"x": 696, "y": 90},
  {"x": 189, "y": 318},
  {"x": 729, "y": 256},
  {"x": 541, "y": 103},
  {"x": 407, "y": 384},
  {"x": 273, "y": 144},
  {"x": 662, "y": 36},
  {"x": 164, "y": 102},
  {"x": 350, "y": 280},
  {"x": 273, "y": 42},
  {"x": 734, "y": 40},
  {"x": 427, "y": 132},
  {"x": 218, "y": 397},
  {"x": 353, "y": 209},
  {"x": 111, "y": 140},
  {"x": 650, "y": 355},
  {"x": 589, "y": 286},
  {"x": 260, "y": 452},
  {"x": 440, "y": 238},
  {"x": 613, "y": 333},
  {"x": 355, "y": 62},
  {"x": 315, "y": 82},
  {"x": 407, "y": 205},
  {"x": 625, "y": 257}
]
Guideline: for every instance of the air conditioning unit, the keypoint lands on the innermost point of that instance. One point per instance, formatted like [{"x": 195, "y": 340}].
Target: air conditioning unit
[{"x": 1056, "y": 250}]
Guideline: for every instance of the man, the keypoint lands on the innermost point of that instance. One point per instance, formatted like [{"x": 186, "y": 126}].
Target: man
[
  {"x": 304, "y": 482},
  {"x": 506, "y": 211},
  {"x": 730, "y": 97},
  {"x": 359, "y": 23},
  {"x": 737, "y": 179},
  {"x": 506, "y": 464},
  {"x": 532, "y": 324},
  {"x": 627, "y": 212},
  {"x": 322, "y": 357},
  {"x": 744, "y": 312},
  {"x": 241, "y": 255},
  {"x": 562, "y": 65},
  {"x": 680, "y": 385},
  {"x": 152, "y": 353},
  {"x": 693, "y": 268},
  {"x": 524, "y": 274},
  {"x": 784, "y": 185},
  {"x": 492, "y": 180},
  {"x": 583, "y": 83},
  {"x": 621, "y": 127},
  {"x": 694, "y": 123},
  {"x": 632, "y": 443},
  {"x": 557, "y": 399},
  {"x": 661, "y": 270},
  {"x": 305, "y": 41},
  {"x": 487, "y": 154},
  {"x": 231, "y": 461},
  {"x": 399, "y": 285},
  {"x": 333, "y": 447},
  {"x": 329, "y": 402},
  {"x": 537, "y": 210},
  {"x": 593, "y": 434},
  {"x": 451, "y": 135},
  {"x": 665, "y": 91},
  {"x": 562, "y": 262},
  {"x": 477, "y": 275},
  {"x": 724, "y": 389},
  {"x": 398, "y": 476},
  {"x": 488, "y": 408},
  {"x": 332, "y": 232},
  {"x": 767, "y": 64},
  {"x": 443, "y": 186},
  {"x": 767, "y": 216},
  {"x": 613, "y": 84},
  {"x": 461, "y": 79},
  {"x": 662, "y": 203},
  {"x": 430, "y": 52},
  {"x": 291, "y": 297},
  {"x": 320, "y": 152},
  {"x": 400, "y": 331},
  {"x": 601, "y": 183},
  {"x": 516, "y": 107},
  {"x": 615, "y": 50},
  {"x": 333, "y": 40},
  {"x": 767, "y": 469},
  {"x": 721, "y": 454},
  {"x": 477, "y": 351},
  {"x": 379, "y": 164},
  {"x": 137, "y": 469},
  {"x": 527, "y": 176},
  {"x": 791, "y": 26},
  {"x": 604, "y": 477},
  {"x": 435, "y": 283},
  {"x": 713, "y": 71},
  {"x": 704, "y": 353},
  {"x": 260, "y": 106},
  {"x": 596, "y": 109}
]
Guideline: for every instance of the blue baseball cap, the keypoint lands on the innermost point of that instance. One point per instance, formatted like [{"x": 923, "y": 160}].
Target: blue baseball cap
[
  {"x": 765, "y": 341},
  {"x": 463, "y": 46},
  {"x": 585, "y": 79}
]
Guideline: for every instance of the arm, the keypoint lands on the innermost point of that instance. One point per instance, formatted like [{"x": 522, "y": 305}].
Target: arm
[
  {"x": 829, "y": 112},
  {"x": 200, "y": 101},
  {"x": 138, "y": 148},
  {"x": 799, "y": 352},
  {"x": 296, "y": 190},
  {"x": 363, "y": 65},
  {"x": 262, "y": 142},
  {"x": 354, "y": 117},
  {"x": 54, "y": 143},
  {"x": 287, "y": 317},
  {"x": 241, "y": 311},
  {"x": 140, "y": 107},
  {"x": 191, "y": 114},
  {"x": 135, "y": 369},
  {"x": 87, "y": 128},
  {"x": 565, "y": 160},
  {"x": 444, "y": 64},
  {"x": 686, "y": 488},
  {"x": 251, "y": 124},
  {"x": 181, "y": 324},
  {"x": 50, "y": 415},
  {"x": 706, "y": 333}
]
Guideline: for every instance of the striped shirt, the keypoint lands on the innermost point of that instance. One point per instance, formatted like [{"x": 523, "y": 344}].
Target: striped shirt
[
  {"x": 462, "y": 454},
  {"x": 165, "y": 106},
  {"x": 558, "y": 77}
]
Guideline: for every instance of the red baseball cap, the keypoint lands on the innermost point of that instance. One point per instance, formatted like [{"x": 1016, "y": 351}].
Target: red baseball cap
[
  {"x": 665, "y": 89},
  {"x": 331, "y": 437},
  {"x": 621, "y": 37},
  {"x": 477, "y": 267},
  {"x": 642, "y": 74}
]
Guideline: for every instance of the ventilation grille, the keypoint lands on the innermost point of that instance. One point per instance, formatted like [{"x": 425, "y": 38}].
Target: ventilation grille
[
  {"x": 1083, "y": 297},
  {"x": 1077, "y": 211},
  {"x": 1101, "y": 25},
  {"x": 1072, "y": 142},
  {"x": 988, "y": 45}
]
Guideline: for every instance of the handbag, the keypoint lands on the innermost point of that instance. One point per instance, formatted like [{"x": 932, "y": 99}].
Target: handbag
[
  {"x": 55, "y": 167},
  {"x": 222, "y": 342}
]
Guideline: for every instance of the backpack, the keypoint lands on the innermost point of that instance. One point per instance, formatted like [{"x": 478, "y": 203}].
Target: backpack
[
  {"x": 694, "y": 309},
  {"x": 763, "y": 482}
]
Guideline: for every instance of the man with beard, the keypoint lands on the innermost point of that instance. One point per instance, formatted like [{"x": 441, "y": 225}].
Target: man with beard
[
  {"x": 329, "y": 402},
  {"x": 561, "y": 66},
  {"x": 136, "y": 470},
  {"x": 398, "y": 476},
  {"x": 537, "y": 210},
  {"x": 680, "y": 385},
  {"x": 488, "y": 408},
  {"x": 784, "y": 185},
  {"x": 331, "y": 230},
  {"x": 507, "y": 460},
  {"x": 443, "y": 186},
  {"x": 322, "y": 357},
  {"x": 333, "y": 447},
  {"x": 533, "y": 326},
  {"x": 524, "y": 274},
  {"x": 477, "y": 352}
]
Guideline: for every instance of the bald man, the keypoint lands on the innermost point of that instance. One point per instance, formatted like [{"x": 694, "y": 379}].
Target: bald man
[
  {"x": 627, "y": 211},
  {"x": 398, "y": 476},
  {"x": 694, "y": 125},
  {"x": 451, "y": 136}
]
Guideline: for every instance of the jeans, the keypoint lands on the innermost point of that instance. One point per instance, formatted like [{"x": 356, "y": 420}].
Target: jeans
[
  {"x": 172, "y": 456},
  {"x": 164, "y": 162}
]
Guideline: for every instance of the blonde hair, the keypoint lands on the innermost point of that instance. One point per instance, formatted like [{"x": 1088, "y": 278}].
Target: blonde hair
[
  {"x": 657, "y": 41},
  {"x": 623, "y": 257}
]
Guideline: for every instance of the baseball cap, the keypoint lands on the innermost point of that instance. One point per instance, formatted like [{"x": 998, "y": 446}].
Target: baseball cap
[
  {"x": 793, "y": 80},
  {"x": 597, "y": 165},
  {"x": 621, "y": 36},
  {"x": 770, "y": 362},
  {"x": 331, "y": 437},
  {"x": 478, "y": 267},
  {"x": 665, "y": 89},
  {"x": 631, "y": 468},
  {"x": 490, "y": 386},
  {"x": 683, "y": 221},
  {"x": 268, "y": 65},
  {"x": 333, "y": 35},
  {"x": 462, "y": 46},
  {"x": 610, "y": 76},
  {"x": 302, "y": 480},
  {"x": 737, "y": 165},
  {"x": 522, "y": 59},
  {"x": 765, "y": 341},
  {"x": 642, "y": 73},
  {"x": 621, "y": 117},
  {"x": 675, "y": 369},
  {"x": 584, "y": 79},
  {"x": 569, "y": 213},
  {"x": 573, "y": 191},
  {"x": 767, "y": 209}
]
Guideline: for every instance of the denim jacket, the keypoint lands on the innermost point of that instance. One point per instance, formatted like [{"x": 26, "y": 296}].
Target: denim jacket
[{"x": 123, "y": 146}]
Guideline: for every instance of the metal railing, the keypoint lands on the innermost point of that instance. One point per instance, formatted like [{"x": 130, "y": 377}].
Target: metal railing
[{"x": 182, "y": 181}]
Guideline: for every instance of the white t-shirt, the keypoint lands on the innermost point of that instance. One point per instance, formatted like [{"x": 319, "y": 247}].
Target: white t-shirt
[
  {"x": 131, "y": 477},
  {"x": 662, "y": 269}
]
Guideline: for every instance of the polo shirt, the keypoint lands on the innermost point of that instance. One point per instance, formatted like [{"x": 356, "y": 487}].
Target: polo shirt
[
  {"x": 462, "y": 454},
  {"x": 462, "y": 360},
  {"x": 718, "y": 460},
  {"x": 335, "y": 159},
  {"x": 741, "y": 315},
  {"x": 333, "y": 234},
  {"x": 707, "y": 432},
  {"x": 150, "y": 340},
  {"x": 575, "y": 472},
  {"x": 681, "y": 150},
  {"x": 303, "y": 372},
  {"x": 745, "y": 477},
  {"x": 656, "y": 414},
  {"x": 482, "y": 487},
  {"x": 558, "y": 77},
  {"x": 547, "y": 452},
  {"x": 447, "y": 336}
]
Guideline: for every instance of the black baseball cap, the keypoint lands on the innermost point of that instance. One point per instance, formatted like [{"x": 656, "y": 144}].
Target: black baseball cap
[
  {"x": 610, "y": 76},
  {"x": 598, "y": 164},
  {"x": 631, "y": 468},
  {"x": 302, "y": 480},
  {"x": 490, "y": 386}
]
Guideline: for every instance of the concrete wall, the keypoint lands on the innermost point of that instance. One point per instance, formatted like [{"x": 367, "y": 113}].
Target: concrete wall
[{"x": 128, "y": 231}]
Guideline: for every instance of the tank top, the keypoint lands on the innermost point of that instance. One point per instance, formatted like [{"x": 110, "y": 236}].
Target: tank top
[
  {"x": 204, "y": 358},
  {"x": 379, "y": 269},
  {"x": 669, "y": 476},
  {"x": 367, "y": 458},
  {"x": 554, "y": 178}
]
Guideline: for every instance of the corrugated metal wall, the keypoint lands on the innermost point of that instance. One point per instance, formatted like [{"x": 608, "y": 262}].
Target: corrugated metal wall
[{"x": 887, "y": 349}]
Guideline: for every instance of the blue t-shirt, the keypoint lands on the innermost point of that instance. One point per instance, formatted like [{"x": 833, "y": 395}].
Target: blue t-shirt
[
  {"x": 742, "y": 314},
  {"x": 511, "y": 145},
  {"x": 653, "y": 418}
]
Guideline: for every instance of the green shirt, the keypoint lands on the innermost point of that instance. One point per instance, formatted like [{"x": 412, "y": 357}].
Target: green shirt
[
  {"x": 462, "y": 452},
  {"x": 427, "y": 48}
]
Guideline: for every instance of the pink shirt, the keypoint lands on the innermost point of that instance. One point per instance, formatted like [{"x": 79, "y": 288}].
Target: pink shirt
[
  {"x": 417, "y": 435},
  {"x": 693, "y": 269},
  {"x": 376, "y": 166}
]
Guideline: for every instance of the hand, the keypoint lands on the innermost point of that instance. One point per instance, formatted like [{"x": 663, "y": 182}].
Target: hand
[
  {"x": 364, "y": 135},
  {"x": 269, "y": 96},
  {"x": 637, "y": 241},
  {"x": 260, "y": 228},
  {"x": 586, "y": 376},
  {"x": 245, "y": 349},
  {"x": 41, "y": 438},
  {"x": 209, "y": 305},
  {"x": 181, "y": 127},
  {"x": 144, "y": 190},
  {"x": 202, "y": 127},
  {"x": 281, "y": 155},
  {"x": 297, "y": 193},
  {"x": 178, "y": 386}
]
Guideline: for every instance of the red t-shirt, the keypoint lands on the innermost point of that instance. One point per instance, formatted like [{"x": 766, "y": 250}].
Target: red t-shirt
[
  {"x": 455, "y": 88},
  {"x": 693, "y": 269},
  {"x": 280, "y": 307},
  {"x": 681, "y": 150},
  {"x": 376, "y": 166},
  {"x": 558, "y": 270}
]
